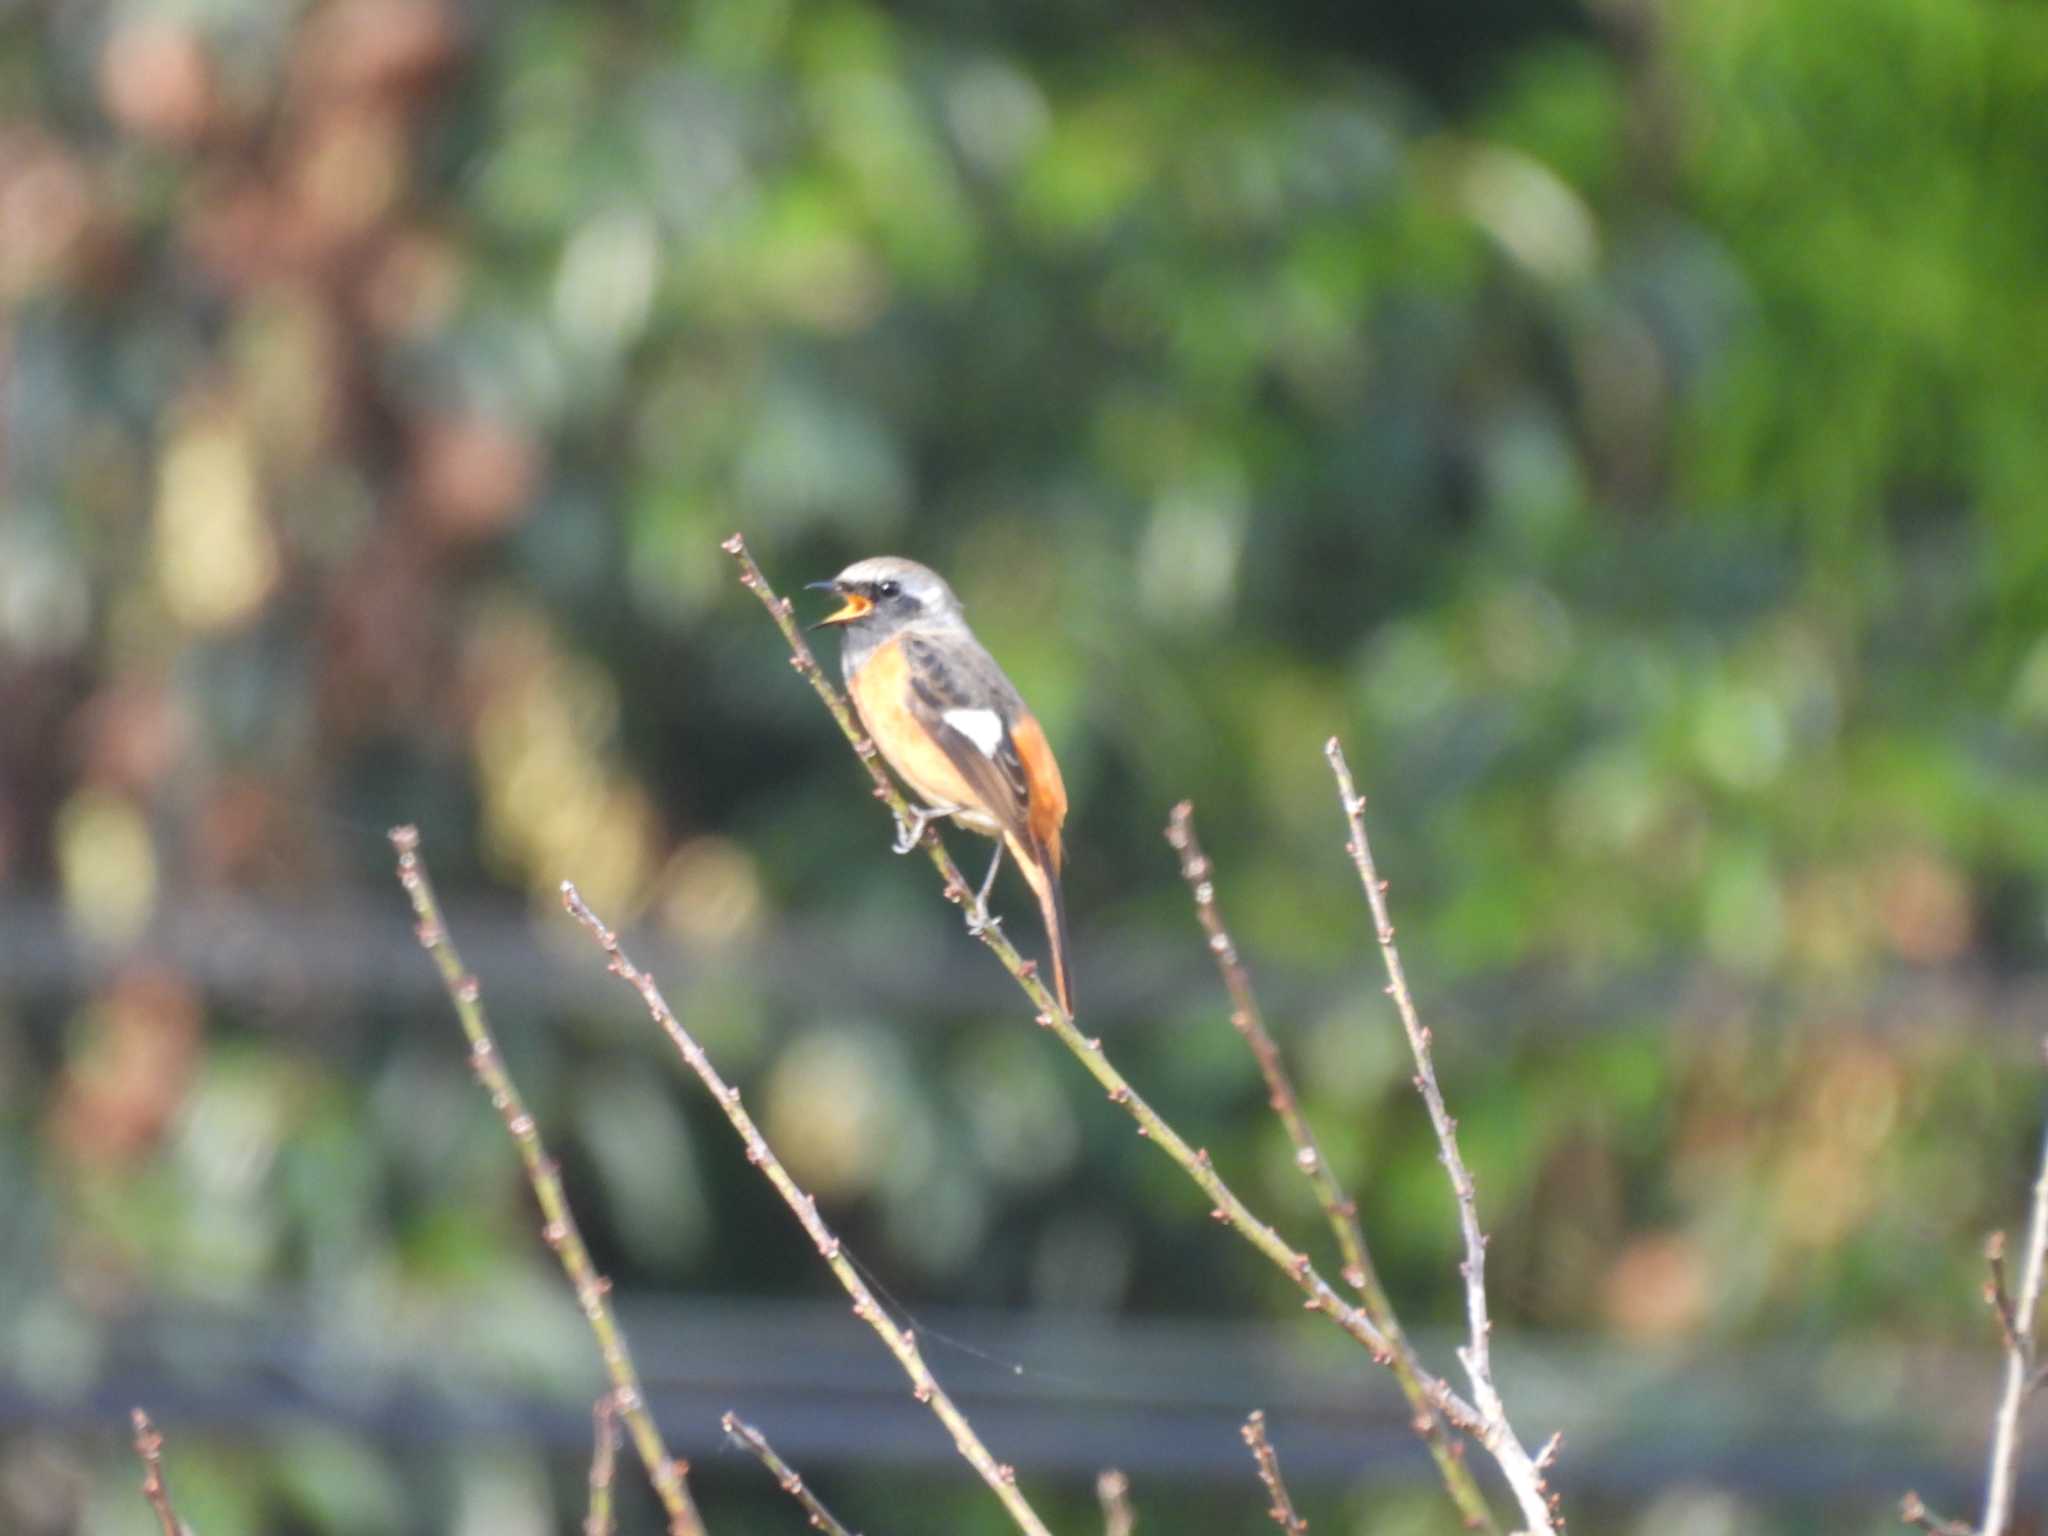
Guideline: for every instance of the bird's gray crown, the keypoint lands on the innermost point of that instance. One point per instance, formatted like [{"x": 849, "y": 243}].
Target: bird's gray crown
[{"x": 924, "y": 587}]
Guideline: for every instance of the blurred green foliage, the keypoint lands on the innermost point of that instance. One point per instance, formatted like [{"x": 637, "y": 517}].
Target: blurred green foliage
[{"x": 1621, "y": 422}]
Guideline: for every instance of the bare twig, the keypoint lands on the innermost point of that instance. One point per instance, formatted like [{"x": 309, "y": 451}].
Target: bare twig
[
  {"x": 149, "y": 1445},
  {"x": 1339, "y": 1209},
  {"x": 821, "y": 1518},
  {"x": 1913, "y": 1512},
  {"x": 604, "y": 1453},
  {"x": 1000, "y": 1478},
  {"x": 1269, "y": 1473},
  {"x": 2022, "y": 1375},
  {"x": 1113, "y": 1489},
  {"x": 1495, "y": 1432},
  {"x": 1226, "y": 1207},
  {"x": 559, "y": 1229}
]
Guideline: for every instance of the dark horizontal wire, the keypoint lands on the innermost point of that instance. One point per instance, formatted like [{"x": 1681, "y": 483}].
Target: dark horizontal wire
[
  {"x": 1159, "y": 1398},
  {"x": 357, "y": 950}
]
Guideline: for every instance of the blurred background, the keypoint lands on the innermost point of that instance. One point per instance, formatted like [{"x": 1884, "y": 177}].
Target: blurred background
[{"x": 1621, "y": 421}]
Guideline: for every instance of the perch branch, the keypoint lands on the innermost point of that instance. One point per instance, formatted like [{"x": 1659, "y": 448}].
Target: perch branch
[
  {"x": 1001, "y": 1479},
  {"x": 1269, "y": 1473},
  {"x": 1524, "y": 1475},
  {"x": 559, "y": 1230},
  {"x": 604, "y": 1454},
  {"x": 1113, "y": 1489},
  {"x": 821, "y": 1517},
  {"x": 1338, "y": 1207},
  {"x": 1225, "y": 1206},
  {"x": 2022, "y": 1376},
  {"x": 149, "y": 1446}
]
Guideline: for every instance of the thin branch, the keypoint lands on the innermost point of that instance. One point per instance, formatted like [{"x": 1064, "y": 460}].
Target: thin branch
[
  {"x": 1339, "y": 1208},
  {"x": 1000, "y": 1478},
  {"x": 604, "y": 1453},
  {"x": 1913, "y": 1512},
  {"x": 1113, "y": 1489},
  {"x": 1269, "y": 1473},
  {"x": 1226, "y": 1207},
  {"x": 149, "y": 1446},
  {"x": 1495, "y": 1432},
  {"x": 2016, "y": 1321},
  {"x": 559, "y": 1229},
  {"x": 821, "y": 1517}
]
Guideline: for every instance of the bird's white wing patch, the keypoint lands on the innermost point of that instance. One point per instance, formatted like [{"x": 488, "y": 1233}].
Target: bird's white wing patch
[{"x": 983, "y": 727}]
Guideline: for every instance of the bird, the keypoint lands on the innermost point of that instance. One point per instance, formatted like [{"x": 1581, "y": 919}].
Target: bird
[{"x": 943, "y": 715}]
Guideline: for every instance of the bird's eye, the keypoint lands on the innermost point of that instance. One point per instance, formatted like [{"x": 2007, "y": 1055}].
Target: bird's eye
[{"x": 888, "y": 588}]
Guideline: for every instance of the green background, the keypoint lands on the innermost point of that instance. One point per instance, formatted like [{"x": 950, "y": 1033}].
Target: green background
[{"x": 1622, "y": 423}]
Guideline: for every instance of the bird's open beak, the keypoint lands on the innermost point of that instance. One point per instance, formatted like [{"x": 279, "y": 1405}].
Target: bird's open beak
[{"x": 854, "y": 607}]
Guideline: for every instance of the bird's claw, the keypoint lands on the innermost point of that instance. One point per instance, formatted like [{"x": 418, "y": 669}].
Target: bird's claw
[
  {"x": 978, "y": 920},
  {"x": 910, "y": 833}
]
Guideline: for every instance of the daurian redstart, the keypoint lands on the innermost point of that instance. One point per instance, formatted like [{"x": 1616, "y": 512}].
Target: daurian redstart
[{"x": 944, "y": 716}]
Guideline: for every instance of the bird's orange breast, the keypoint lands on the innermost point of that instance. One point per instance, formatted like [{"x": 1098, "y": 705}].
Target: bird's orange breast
[{"x": 881, "y": 692}]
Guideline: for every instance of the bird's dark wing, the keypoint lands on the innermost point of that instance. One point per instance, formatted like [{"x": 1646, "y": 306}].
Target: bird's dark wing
[{"x": 961, "y": 696}]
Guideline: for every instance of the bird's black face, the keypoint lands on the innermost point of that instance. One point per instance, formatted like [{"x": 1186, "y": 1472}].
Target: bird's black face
[{"x": 884, "y": 597}]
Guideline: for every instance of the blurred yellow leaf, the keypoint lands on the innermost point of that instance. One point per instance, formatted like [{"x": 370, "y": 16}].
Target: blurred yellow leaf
[{"x": 216, "y": 559}]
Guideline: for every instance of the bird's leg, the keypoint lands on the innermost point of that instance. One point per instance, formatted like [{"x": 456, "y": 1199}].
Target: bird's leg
[
  {"x": 910, "y": 834},
  {"x": 978, "y": 919}
]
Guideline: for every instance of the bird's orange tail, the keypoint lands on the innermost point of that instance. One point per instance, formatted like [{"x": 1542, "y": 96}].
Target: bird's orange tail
[{"x": 1045, "y": 882}]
